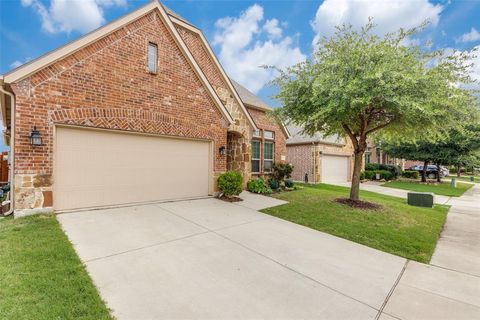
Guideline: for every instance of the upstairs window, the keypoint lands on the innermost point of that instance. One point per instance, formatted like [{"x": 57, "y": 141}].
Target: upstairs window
[
  {"x": 257, "y": 133},
  {"x": 152, "y": 57}
]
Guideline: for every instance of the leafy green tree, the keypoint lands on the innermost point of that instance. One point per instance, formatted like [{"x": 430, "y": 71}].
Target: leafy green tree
[
  {"x": 460, "y": 147},
  {"x": 360, "y": 85},
  {"x": 419, "y": 150}
]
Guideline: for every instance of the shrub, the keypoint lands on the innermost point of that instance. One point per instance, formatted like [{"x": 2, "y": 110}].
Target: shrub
[
  {"x": 385, "y": 174},
  {"x": 281, "y": 171},
  {"x": 257, "y": 186},
  {"x": 289, "y": 183},
  {"x": 369, "y": 174},
  {"x": 396, "y": 171},
  {"x": 274, "y": 185},
  {"x": 230, "y": 183},
  {"x": 362, "y": 175},
  {"x": 411, "y": 174}
]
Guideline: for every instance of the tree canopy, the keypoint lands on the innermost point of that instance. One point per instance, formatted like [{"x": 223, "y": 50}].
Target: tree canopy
[{"x": 358, "y": 84}]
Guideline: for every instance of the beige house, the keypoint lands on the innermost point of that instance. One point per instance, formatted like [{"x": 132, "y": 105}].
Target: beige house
[{"x": 319, "y": 159}]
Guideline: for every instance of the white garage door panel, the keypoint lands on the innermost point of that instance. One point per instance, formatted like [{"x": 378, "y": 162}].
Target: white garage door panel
[
  {"x": 334, "y": 168},
  {"x": 99, "y": 168}
]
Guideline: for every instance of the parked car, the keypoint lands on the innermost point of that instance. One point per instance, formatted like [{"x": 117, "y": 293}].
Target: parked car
[{"x": 432, "y": 171}]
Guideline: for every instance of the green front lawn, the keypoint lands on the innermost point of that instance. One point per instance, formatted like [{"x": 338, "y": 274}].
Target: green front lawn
[
  {"x": 465, "y": 178},
  {"x": 398, "y": 228},
  {"x": 443, "y": 189},
  {"x": 41, "y": 276}
]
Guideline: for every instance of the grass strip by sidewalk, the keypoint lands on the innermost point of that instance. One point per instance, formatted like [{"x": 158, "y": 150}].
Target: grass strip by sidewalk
[
  {"x": 398, "y": 228},
  {"x": 443, "y": 189},
  {"x": 41, "y": 276}
]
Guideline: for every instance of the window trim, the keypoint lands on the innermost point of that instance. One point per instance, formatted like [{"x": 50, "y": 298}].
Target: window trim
[
  {"x": 268, "y": 138},
  {"x": 257, "y": 159},
  {"x": 152, "y": 45}
]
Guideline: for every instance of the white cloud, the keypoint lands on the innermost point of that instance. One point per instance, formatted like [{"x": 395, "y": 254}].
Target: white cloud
[
  {"x": 388, "y": 15},
  {"x": 473, "y": 35},
  {"x": 243, "y": 47},
  {"x": 272, "y": 28},
  {"x": 72, "y": 15}
]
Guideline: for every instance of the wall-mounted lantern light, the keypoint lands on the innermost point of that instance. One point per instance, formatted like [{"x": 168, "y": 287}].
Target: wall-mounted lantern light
[
  {"x": 222, "y": 150},
  {"x": 35, "y": 137}
]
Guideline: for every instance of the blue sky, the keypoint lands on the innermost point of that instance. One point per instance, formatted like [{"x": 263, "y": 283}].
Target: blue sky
[{"x": 243, "y": 34}]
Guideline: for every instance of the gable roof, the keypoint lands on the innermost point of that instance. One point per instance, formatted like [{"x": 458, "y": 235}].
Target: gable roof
[
  {"x": 33, "y": 66},
  {"x": 249, "y": 98},
  {"x": 297, "y": 137},
  {"x": 255, "y": 102},
  {"x": 187, "y": 25}
]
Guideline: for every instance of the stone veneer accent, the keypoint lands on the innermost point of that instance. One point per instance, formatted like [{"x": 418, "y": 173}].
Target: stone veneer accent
[{"x": 239, "y": 137}]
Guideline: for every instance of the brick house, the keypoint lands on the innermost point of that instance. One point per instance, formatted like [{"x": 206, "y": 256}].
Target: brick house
[
  {"x": 320, "y": 159},
  {"x": 139, "y": 110}
]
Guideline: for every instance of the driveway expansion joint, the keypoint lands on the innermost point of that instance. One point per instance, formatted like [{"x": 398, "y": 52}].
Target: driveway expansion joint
[
  {"x": 146, "y": 247},
  {"x": 390, "y": 293}
]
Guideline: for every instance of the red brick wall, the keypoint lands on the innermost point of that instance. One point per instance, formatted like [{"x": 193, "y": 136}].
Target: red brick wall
[
  {"x": 301, "y": 157},
  {"x": 202, "y": 57},
  {"x": 107, "y": 85},
  {"x": 265, "y": 123}
]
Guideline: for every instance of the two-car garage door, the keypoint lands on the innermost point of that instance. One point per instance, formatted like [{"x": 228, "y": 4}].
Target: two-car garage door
[{"x": 95, "y": 168}]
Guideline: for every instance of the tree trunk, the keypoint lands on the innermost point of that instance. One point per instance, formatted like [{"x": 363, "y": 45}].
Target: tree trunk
[
  {"x": 424, "y": 171},
  {"x": 357, "y": 168},
  {"x": 439, "y": 179},
  {"x": 458, "y": 170}
]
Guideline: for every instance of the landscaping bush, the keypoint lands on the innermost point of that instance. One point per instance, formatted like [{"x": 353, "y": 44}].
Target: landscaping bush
[
  {"x": 369, "y": 174},
  {"x": 281, "y": 171},
  {"x": 410, "y": 174},
  {"x": 396, "y": 171},
  {"x": 230, "y": 183},
  {"x": 274, "y": 185},
  {"x": 289, "y": 183},
  {"x": 384, "y": 174},
  {"x": 362, "y": 175},
  {"x": 257, "y": 186}
]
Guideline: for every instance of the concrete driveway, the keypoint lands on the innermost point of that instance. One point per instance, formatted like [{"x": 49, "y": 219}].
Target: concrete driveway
[{"x": 208, "y": 259}]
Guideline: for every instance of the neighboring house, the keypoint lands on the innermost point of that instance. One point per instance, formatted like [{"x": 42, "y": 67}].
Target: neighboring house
[
  {"x": 139, "y": 110},
  {"x": 375, "y": 154},
  {"x": 320, "y": 159}
]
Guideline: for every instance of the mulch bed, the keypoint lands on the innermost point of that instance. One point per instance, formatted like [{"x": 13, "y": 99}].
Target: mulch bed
[
  {"x": 359, "y": 204},
  {"x": 230, "y": 199}
]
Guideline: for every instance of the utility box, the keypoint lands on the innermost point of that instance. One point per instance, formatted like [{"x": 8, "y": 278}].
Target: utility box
[{"x": 420, "y": 199}]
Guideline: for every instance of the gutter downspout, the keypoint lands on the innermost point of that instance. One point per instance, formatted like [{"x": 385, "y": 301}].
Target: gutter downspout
[{"x": 12, "y": 149}]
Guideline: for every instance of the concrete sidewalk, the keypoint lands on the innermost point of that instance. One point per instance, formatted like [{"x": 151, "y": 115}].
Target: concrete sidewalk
[
  {"x": 400, "y": 193},
  {"x": 449, "y": 288}
]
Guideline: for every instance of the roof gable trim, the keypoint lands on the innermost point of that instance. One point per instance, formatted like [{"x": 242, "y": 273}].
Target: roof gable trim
[
  {"x": 217, "y": 64},
  {"x": 60, "y": 53}
]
